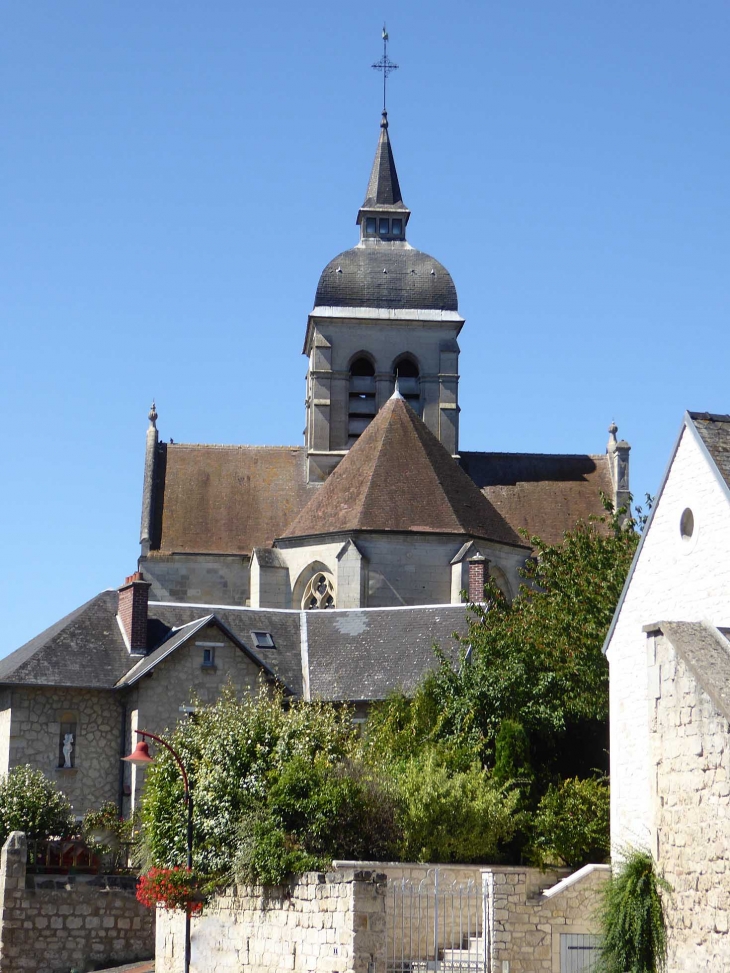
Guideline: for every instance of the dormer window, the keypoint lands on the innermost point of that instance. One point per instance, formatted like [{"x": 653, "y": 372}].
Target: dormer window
[
  {"x": 396, "y": 227},
  {"x": 384, "y": 227},
  {"x": 370, "y": 224},
  {"x": 263, "y": 640}
]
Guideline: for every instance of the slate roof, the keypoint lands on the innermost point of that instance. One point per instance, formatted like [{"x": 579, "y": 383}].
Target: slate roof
[
  {"x": 383, "y": 187},
  {"x": 389, "y": 274},
  {"x": 546, "y": 494},
  {"x": 714, "y": 430},
  {"x": 367, "y": 654},
  {"x": 706, "y": 652},
  {"x": 84, "y": 649},
  {"x": 399, "y": 477},
  {"x": 353, "y": 654},
  {"x": 227, "y": 499}
]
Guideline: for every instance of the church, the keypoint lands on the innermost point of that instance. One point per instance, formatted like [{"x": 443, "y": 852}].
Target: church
[{"x": 328, "y": 569}]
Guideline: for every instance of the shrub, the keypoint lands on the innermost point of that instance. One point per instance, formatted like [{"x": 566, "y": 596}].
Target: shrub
[
  {"x": 571, "y": 826},
  {"x": 448, "y": 816},
  {"x": 32, "y": 803},
  {"x": 632, "y": 917}
]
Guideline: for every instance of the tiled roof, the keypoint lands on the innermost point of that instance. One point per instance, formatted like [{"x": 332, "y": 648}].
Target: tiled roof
[
  {"x": 398, "y": 477},
  {"x": 227, "y": 499},
  {"x": 359, "y": 655},
  {"x": 85, "y": 648},
  {"x": 545, "y": 494},
  {"x": 714, "y": 431},
  {"x": 706, "y": 651},
  {"x": 353, "y": 654}
]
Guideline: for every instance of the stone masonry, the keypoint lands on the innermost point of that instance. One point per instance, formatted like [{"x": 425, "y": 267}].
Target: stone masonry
[
  {"x": 333, "y": 923},
  {"x": 690, "y": 747},
  {"x": 49, "y": 925}
]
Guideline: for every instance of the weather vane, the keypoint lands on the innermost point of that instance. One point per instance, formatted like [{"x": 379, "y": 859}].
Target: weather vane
[{"x": 385, "y": 64}]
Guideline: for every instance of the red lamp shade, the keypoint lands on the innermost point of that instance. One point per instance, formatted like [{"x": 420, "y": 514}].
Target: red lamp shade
[{"x": 140, "y": 755}]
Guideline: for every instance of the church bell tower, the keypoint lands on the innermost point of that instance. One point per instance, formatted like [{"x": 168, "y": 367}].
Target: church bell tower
[{"x": 383, "y": 311}]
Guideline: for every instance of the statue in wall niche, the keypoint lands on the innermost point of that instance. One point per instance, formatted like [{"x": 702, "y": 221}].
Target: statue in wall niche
[{"x": 68, "y": 747}]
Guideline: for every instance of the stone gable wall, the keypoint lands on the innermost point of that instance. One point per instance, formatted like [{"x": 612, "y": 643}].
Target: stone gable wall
[
  {"x": 690, "y": 748},
  {"x": 673, "y": 580},
  {"x": 332, "y": 923},
  {"x": 82, "y": 926}
]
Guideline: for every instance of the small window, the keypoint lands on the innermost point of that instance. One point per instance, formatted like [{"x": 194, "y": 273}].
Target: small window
[
  {"x": 384, "y": 227},
  {"x": 687, "y": 524},
  {"x": 397, "y": 227},
  {"x": 370, "y": 224},
  {"x": 67, "y": 746},
  {"x": 263, "y": 640},
  {"x": 208, "y": 658}
]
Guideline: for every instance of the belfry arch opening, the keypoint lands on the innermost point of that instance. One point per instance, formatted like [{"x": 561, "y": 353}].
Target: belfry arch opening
[
  {"x": 361, "y": 405},
  {"x": 408, "y": 376}
]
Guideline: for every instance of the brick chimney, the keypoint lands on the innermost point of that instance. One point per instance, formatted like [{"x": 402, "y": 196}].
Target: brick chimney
[
  {"x": 132, "y": 610},
  {"x": 478, "y": 574}
]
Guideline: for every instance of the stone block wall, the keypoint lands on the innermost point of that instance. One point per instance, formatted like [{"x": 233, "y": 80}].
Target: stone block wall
[
  {"x": 197, "y": 579},
  {"x": 529, "y": 910},
  {"x": 691, "y": 757},
  {"x": 35, "y": 718},
  {"x": 333, "y": 923},
  {"x": 49, "y": 925}
]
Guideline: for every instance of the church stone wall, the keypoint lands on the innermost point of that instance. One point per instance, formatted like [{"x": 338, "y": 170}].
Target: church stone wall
[
  {"x": 408, "y": 570},
  {"x": 674, "y": 580},
  {"x": 690, "y": 752},
  {"x": 35, "y": 729},
  {"x": 197, "y": 578}
]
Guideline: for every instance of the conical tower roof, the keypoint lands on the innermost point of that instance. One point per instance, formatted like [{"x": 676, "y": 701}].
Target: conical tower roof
[
  {"x": 398, "y": 477},
  {"x": 383, "y": 190}
]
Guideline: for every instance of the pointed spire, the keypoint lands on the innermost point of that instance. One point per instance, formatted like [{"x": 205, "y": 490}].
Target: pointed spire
[{"x": 383, "y": 195}]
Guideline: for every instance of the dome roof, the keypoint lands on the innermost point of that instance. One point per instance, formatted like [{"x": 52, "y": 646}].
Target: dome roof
[{"x": 388, "y": 275}]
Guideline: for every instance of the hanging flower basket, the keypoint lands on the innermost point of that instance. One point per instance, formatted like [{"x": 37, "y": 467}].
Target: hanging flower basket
[{"x": 173, "y": 888}]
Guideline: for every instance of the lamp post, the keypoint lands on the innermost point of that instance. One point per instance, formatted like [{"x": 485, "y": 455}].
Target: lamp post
[{"x": 140, "y": 756}]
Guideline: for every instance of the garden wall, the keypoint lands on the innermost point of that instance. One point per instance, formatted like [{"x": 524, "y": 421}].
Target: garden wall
[
  {"x": 55, "y": 923},
  {"x": 334, "y": 923}
]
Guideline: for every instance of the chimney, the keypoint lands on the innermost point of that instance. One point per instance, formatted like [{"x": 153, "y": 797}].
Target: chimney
[
  {"x": 478, "y": 574},
  {"x": 132, "y": 611}
]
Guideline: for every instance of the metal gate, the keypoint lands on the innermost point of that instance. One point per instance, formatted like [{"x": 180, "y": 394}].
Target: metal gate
[
  {"x": 578, "y": 952},
  {"x": 436, "y": 924}
]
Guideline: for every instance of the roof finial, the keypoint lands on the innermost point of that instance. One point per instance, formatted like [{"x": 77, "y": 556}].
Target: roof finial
[
  {"x": 152, "y": 416},
  {"x": 612, "y": 430},
  {"x": 387, "y": 67},
  {"x": 396, "y": 391}
]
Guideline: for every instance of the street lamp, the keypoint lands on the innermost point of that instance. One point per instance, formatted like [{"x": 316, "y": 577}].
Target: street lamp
[{"x": 140, "y": 756}]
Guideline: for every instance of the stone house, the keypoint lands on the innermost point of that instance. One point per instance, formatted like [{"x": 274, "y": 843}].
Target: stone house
[
  {"x": 379, "y": 518},
  {"x": 669, "y": 659}
]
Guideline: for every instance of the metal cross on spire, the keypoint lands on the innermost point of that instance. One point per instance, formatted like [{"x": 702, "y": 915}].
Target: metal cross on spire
[{"x": 385, "y": 64}]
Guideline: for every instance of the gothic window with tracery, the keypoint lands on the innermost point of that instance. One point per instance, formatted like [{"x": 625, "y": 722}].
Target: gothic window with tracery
[{"x": 319, "y": 593}]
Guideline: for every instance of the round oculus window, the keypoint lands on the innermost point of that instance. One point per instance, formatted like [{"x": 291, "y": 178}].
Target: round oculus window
[{"x": 687, "y": 524}]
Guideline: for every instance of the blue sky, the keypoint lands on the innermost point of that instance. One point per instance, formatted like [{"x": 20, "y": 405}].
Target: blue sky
[{"x": 174, "y": 177}]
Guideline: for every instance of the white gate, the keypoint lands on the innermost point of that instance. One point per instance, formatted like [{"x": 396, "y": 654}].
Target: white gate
[
  {"x": 578, "y": 952},
  {"x": 436, "y": 924}
]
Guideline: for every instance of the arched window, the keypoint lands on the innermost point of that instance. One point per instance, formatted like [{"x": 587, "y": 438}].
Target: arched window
[
  {"x": 361, "y": 407},
  {"x": 319, "y": 592},
  {"x": 409, "y": 381}
]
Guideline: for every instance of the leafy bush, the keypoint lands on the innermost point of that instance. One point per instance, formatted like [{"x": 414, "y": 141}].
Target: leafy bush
[
  {"x": 634, "y": 928},
  {"x": 315, "y": 811},
  {"x": 571, "y": 826},
  {"x": 448, "y": 816},
  {"x": 32, "y": 803}
]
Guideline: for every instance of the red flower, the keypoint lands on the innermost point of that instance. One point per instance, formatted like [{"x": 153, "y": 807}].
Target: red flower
[{"x": 174, "y": 888}]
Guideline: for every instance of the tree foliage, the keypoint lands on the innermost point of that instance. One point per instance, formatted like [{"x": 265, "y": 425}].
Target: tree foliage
[
  {"x": 571, "y": 824},
  {"x": 32, "y": 803}
]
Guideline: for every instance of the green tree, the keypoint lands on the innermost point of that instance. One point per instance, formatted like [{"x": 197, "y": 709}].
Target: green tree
[
  {"x": 32, "y": 803},
  {"x": 571, "y": 825}
]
